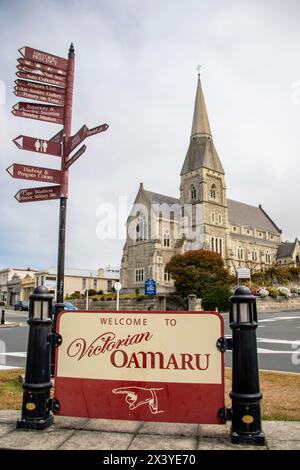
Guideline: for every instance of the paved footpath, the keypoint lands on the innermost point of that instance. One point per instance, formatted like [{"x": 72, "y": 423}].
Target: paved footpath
[{"x": 102, "y": 434}]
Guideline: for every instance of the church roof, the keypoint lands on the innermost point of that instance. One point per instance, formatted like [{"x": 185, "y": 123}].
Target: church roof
[
  {"x": 201, "y": 151},
  {"x": 246, "y": 215},
  {"x": 156, "y": 198},
  {"x": 286, "y": 249}
]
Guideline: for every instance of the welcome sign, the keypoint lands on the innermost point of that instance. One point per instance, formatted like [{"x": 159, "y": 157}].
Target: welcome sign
[{"x": 149, "y": 366}]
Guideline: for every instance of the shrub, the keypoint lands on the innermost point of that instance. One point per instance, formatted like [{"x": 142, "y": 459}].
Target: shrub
[
  {"x": 92, "y": 292},
  {"x": 100, "y": 292},
  {"x": 285, "y": 292},
  {"x": 75, "y": 295},
  {"x": 216, "y": 298},
  {"x": 273, "y": 292},
  {"x": 263, "y": 293},
  {"x": 295, "y": 290}
]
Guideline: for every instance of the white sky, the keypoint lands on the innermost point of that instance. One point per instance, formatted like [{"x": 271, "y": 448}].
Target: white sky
[{"x": 136, "y": 70}]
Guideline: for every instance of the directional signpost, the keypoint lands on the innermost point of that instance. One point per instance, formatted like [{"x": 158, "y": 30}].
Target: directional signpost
[{"x": 46, "y": 78}]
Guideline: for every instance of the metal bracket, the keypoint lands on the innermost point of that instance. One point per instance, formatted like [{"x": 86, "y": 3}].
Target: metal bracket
[
  {"x": 55, "y": 339},
  {"x": 225, "y": 344},
  {"x": 224, "y": 415},
  {"x": 53, "y": 405}
]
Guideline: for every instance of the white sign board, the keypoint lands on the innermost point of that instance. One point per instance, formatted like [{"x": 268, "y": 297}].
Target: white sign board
[
  {"x": 118, "y": 286},
  {"x": 243, "y": 273}
]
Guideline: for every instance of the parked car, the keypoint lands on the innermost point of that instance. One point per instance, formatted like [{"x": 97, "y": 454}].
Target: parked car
[
  {"x": 68, "y": 306},
  {"x": 22, "y": 305}
]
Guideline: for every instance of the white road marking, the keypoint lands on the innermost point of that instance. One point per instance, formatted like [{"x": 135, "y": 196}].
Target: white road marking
[
  {"x": 277, "y": 341},
  {"x": 14, "y": 354},
  {"x": 279, "y": 318},
  {"x": 8, "y": 367}
]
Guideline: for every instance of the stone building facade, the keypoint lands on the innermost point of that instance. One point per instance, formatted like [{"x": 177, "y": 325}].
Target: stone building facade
[{"x": 161, "y": 226}]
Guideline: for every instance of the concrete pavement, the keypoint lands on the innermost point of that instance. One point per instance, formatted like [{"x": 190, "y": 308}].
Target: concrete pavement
[{"x": 102, "y": 434}]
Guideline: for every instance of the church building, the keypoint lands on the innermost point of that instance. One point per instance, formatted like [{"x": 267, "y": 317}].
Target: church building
[{"x": 160, "y": 226}]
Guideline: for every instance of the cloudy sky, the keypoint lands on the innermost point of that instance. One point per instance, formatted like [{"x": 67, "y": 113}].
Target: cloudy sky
[{"x": 136, "y": 70}]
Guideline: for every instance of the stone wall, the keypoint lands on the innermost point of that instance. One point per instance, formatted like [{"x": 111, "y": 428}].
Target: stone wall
[
  {"x": 130, "y": 304},
  {"x": 279, "y": 304}
]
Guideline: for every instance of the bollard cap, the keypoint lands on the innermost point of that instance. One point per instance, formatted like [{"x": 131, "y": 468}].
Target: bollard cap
[
  {"x": 242, "y": 294},
  {"x": 41, "y": 293}
]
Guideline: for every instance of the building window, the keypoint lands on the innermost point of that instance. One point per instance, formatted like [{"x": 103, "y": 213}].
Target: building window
[
  {"x": 268, "y": 257},
  {"x": 193, "y": 192},
  {"x": 141, "y": 229},
  {"x": 95, "y": 284},
  {"x": 166, "y": 239},
  {"x": 217, "y": 245},
  {"x": 213, "y": 217},
  {"x": 213, "y": 191},
  {"x": 212, "y": 244},
  {"x": 109, "y": 285},
  {"x": 234, "y": 229},
  {"x": 83, "y": 283},
  {"x": 139, "y": 275},
  {"x": 220, "y": 246},
  {"x": 219, "y": 218},
  {"x": 167, "y": 276},
  {"x": 254, "y": 255},
  {"x": 240, "y": 253}
]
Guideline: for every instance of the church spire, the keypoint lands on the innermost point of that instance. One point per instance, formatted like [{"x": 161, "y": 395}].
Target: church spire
[{"x": 200, "y": 126}]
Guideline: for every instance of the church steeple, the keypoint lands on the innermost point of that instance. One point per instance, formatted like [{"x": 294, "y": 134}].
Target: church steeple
[
  {"x": 200, "y": 126},
  {"x": 201, "y": 152}
]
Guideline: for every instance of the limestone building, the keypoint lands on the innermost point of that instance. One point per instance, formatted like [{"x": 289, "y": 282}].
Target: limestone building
[{"x": 160, "y": 226}]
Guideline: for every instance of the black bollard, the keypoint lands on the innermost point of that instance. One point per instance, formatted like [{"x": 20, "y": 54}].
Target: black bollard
[
  {"x": 3, "y": 317},
  {"x": 245, "y": 394},
  {"x": 36, "y": 395}
]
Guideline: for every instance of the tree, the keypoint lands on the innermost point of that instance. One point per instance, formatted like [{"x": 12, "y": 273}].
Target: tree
[{"x": 199, "y": 272}]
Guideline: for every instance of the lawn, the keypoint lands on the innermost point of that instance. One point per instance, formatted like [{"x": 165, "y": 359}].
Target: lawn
[{"x": 281, "y": 393}]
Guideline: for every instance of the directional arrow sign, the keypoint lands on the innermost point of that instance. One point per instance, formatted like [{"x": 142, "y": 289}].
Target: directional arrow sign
[
  {"x": 75, "y": 156},
  {"x": 30, "y": 95},
  {"x": 44, "y": 58},
  {"x": 32, "y": 144},
  {"x": 42, "y": 73},
  {"x": 38, "y": 66},
  {"x": 34, "y": 173},
  {"x": 38, "y": 78},
  {"x": 76, "y": 139},
  {"x": 57, "y": 137},
  {"x": 32, "y": 114},
  {"x": 21, "y": 84},
  {"x": 38, "y": 194},
  {"x": 43, "y": 109},
  {"x": 97, "y": 129}
]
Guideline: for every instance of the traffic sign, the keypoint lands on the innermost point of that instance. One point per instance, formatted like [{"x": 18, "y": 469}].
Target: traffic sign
[
  {"x": 38, "y": 78},
  {"x": 118, "y": 286},
  {"x": 97, "y": 129},
  {"x": 38, "y": 97},
  {"x": 21, "y": 84},
  {"x": 34, "y": 173},
  {"x": 75, "y": 156},
  {"x": 76, "y": 139},
  {"x": 38, "y": 194},
  {"x": 38, "y": 66},
  {"x": 32, "y": 144},
  {"x": 44, "y": 58}
]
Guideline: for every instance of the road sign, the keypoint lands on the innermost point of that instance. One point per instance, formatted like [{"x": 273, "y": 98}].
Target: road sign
[
  {"x": 38, "y": 78},
  {"x": 32, "y": 144},
  {"x": 38, "y": 194},
  {"x": 118, "y": 286},
  {"x": 34, "y": 173},
  {"x": 44, "y": 58},
  {"x": 159, "y": 366},
  {"x": 243, "y": 273},
  {"x": 150, "y": 287},
  {"x": 38, "y": 66},
  {"x": 75, "y": 156},
  {"x": 38, "y": 97},
  {"x": 97, "y": 129},
  {"x": 41, "y": 109},
  {"x": 42, "y": 73},
  {"x": 76, "y": 139},
  {"x": 21, "y": 84},
  {"x": 39, "y": 117}
]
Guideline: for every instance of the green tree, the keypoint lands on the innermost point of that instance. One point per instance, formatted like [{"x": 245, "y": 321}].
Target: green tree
[{"x": 200, "y": 272}]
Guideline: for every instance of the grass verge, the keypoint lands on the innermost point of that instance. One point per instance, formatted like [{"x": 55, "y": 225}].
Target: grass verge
[{"x": 281, "y": 393}]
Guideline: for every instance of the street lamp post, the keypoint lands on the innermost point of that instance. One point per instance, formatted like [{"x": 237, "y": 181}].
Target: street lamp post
[{"x": 245, "y": 394}]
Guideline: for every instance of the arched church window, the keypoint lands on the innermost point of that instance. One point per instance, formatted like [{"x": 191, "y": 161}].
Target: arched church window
[
  {"x": 166, "y": 239},
  {"x": 141, "y": 228},
  {"x": 213, "y": 191},
  {"x": 212, "y": 244},
  {"x": 193, "y": 192},
  {"x": 137, "y": 232}
]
